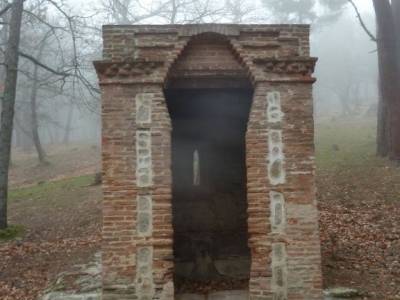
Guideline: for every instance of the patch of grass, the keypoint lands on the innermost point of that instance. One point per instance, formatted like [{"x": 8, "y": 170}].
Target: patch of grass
[
  {"x": 346, "y": 143},
  {"x": 11, "y": 232},
  {"x": 44, "y": 190}
]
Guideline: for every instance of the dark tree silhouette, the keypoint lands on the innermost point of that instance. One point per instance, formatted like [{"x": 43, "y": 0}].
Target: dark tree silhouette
[{"x": 7, "y": 113}]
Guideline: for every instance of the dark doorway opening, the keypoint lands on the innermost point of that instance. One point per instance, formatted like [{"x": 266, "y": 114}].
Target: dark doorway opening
[{"x": 209, "y": 186}]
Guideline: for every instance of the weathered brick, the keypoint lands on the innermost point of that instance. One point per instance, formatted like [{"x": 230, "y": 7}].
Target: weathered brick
[{"x": 282, "y": 214}]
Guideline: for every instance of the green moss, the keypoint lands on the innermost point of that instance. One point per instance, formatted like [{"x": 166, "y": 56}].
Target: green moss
[
  {"x": 11, "y": 232},
  {"x": 45, "y": 190}
]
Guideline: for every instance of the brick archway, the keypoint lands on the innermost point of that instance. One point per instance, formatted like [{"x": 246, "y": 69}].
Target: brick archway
[
  {"x": 282, "y": 214},
  {"x": 209, "y": 95}
]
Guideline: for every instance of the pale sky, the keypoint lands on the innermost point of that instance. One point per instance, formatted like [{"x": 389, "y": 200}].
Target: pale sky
[{"x": 364, "y": 5}]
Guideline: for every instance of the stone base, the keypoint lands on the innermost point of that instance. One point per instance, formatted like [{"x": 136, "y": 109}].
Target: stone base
[
  {"x": 221, "y": 295},
  {"x": 66, "y": 296},
  {"x": 236, "y": 267}
]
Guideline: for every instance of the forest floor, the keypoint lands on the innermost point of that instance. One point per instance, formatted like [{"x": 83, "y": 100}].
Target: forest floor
[
  {"x": 359, "y": 201},
  {"x": 59, "y": 208},
  {"x": 64, "y": 162}
]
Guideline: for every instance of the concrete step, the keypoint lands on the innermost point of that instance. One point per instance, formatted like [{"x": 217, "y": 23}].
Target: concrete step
[
  {"x": 334, "y": 294},
  {"x": 222, "y": 295}
]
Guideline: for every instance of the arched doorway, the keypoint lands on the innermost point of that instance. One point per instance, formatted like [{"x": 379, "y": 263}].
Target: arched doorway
[{"x": 209, "y": 98}]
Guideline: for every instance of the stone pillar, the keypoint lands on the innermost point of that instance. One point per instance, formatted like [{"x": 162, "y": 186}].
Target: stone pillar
[
  {"x": 258, "y": 197},
  {"x": 137, "y": 209},
  {"x": 282, "y": 211},
  {"x": 162, "y": 199},
  {"x": 277, "y": 179},
  {"x": 304, "y": 280},
  {"x": 119, "y": 192},
  {"x": 154, "y": 235}
]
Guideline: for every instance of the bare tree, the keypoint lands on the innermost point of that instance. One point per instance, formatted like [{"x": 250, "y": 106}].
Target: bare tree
[
  {"x": 389, "y": 76},
  {"x": 71, "y": 72},
  {"x": 169, "y": 11},
  {"x": 7, "y": 114},
  {"x": 238, "y": 11},
  {"x": 33, "y": 105},
  {"x": 305, "y": 11},
  {"x": 388, "y": 49}
]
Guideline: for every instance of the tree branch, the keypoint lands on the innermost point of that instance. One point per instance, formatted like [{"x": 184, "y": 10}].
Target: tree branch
[
  {"x": 5, "y": 9},
  {"x": 362, "y": 23},
  {"x": 37, "y": 62},
  {"x": 43, "y": 21}
]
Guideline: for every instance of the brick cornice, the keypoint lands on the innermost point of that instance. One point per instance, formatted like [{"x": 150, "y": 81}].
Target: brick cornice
[
  {"x": 285, "y": 69},
  {"x": 303, "y": 66},
  {"x": 129, "y": 71}
]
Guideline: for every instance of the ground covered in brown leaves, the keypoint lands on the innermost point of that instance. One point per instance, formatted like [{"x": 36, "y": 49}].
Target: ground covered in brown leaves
[
  {"x": 61, "y": 220},
  {"x": 361, "y": 241},
  {"x": 359, "y": 200}
]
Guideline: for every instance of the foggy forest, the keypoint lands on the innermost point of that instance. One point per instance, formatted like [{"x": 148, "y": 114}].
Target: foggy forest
[{"x": 52, "y": 167}]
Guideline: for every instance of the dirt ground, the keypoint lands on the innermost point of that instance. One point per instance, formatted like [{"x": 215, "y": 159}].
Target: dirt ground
[
  {"x": 60, "y": 210},
  {"x": 359, "y": 201},
  {"x": 360, "y": 229},
  {"x": 358, "y": 194},
  {"x": 66, "y": 161}
]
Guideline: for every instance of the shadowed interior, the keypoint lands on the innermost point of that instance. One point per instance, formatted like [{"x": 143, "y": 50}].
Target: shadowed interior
[{"x": 209, "y": 182}]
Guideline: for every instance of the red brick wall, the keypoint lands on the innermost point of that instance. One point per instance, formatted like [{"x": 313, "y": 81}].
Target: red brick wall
[
  {"x": 282, "y": 214},
  {"x": 207, "y": 53}
]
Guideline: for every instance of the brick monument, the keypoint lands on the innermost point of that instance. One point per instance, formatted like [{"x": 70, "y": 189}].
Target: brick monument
[{"x": 208, "y": 160}]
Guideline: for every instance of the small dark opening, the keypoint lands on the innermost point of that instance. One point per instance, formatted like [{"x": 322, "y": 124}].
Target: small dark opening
[{"x": 209, "y": 186}]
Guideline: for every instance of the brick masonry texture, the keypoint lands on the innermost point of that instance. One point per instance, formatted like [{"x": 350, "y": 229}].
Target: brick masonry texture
[{"x": 139, "y": 62}]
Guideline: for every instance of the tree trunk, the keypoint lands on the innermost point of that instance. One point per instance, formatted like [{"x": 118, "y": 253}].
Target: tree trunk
[
  {"x": 18, "y": 137},
  {"x": 346, "y": 111},
  {"x": 68, "y": 127},
  {"x": 345, "y": 96},
  {"x": 51, "y": 135},
  {"x": 7, "y": 113},
  {"x": 382, "y": 137},
  {"x": 389, "y": 126},
  {"x": 33, "y": 107},
  {"x": 395, "y": 151},
  {"x": 3, "y": 39},
  {"x": 34, "y": 121},
  {"x": 25, "y": 138},
  {"x": 396, "y": 15},
  {"x": 25, "y": 123}
]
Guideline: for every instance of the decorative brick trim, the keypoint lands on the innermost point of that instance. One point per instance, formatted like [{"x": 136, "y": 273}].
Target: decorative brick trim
[
  {"x": 274, "y": 110},
  {"x": 144, "y": 273},
  {"x": 128, "y": 71},
  {"x": 234, "y": 46},
  {"x": 145, "y": 288},
  {"x": 144, "y": 222},
  {"x": 277, "y": 177},
  {"x": 278, "y": 212},
  {"x": 276, "y": 159},
  {"x": 143, "y": 109},
  {"x": 303, "y": 66},
  {"x": 224, "y": 30},
  {"x": 144, "y": 171},
  {"x": 279, "y": 272}
]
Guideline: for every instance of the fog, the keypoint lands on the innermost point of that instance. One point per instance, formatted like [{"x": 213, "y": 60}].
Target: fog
[
  {"x": 66, "y": 37},
  {"x": 346, "y": 71}
]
